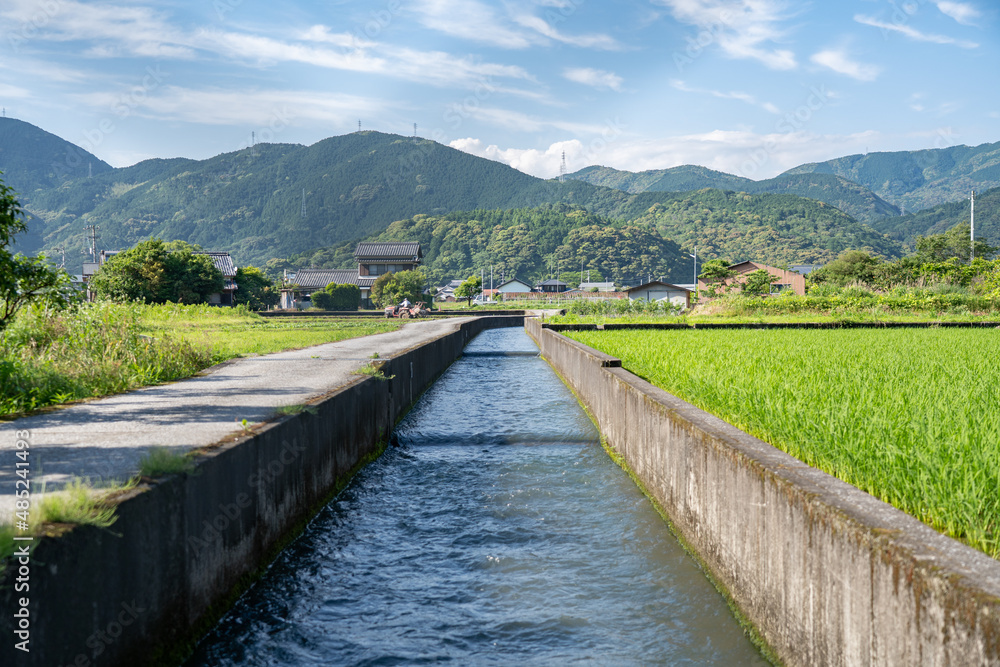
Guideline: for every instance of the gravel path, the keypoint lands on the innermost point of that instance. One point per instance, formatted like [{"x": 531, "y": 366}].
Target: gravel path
[{"x": 103, "y": 440}]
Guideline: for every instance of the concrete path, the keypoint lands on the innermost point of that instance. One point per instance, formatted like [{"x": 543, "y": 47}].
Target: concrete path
[{"x": 103, "y": 440}]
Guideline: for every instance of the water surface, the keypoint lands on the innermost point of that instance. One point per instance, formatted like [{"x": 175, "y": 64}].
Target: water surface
[{"x": 497, "y": 532}]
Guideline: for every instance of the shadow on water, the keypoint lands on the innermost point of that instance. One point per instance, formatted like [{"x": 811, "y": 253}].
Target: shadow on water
[{"x": 498, "y": 532}]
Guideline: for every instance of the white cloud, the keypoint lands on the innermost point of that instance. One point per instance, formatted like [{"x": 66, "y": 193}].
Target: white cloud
[
  {"x": 913, "y": 33},
  {"x": 733, "y": 95},
  {"x": 743, "y": 29},
  {"x": 743, "y": 153},
  {"x": 515, "y": 120},
  {"x": 518, "y": 29},
  {"x": 840, "y": 63},
  {"x": 596, "y": 78},
  {"x": 963, "y": 12}
]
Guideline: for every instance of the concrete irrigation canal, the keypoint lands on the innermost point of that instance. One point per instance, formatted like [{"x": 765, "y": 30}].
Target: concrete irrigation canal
[
  {"x": 498, "y": 531},
  {"x": 455, "y": 503}
]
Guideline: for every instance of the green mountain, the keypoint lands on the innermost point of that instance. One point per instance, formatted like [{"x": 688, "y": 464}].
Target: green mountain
[
  {"x": 943, "y": 217},
  {"x": 916, "y": 180},
  {"x": 252, "y": 203},
  {"x": 31, "y": 158},
  {"x": 652, "y": 234},
  {"x": 855, "y": 200}
]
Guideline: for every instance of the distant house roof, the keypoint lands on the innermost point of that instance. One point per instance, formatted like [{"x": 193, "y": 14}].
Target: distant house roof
[
  {"x": 601, "y": 287},
  {"x": 657, "y": 283},
  {"x": 409, "y": 251},
  {"x": 317, "y": 279},
  {"x": 513, "y": 280},
  {"x": 222, "y": 261},
  {"x": 552, "y": 282},
  {"x": 805, "y": 269}
]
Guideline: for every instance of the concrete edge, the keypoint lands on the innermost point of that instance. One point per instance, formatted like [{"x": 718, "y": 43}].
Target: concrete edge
[
  {"x": 183, "y": 547},
  {"x": 826, "y": 573}
]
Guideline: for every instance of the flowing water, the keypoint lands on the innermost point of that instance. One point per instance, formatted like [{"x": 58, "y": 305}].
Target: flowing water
[{"x": 497, "y": 532}]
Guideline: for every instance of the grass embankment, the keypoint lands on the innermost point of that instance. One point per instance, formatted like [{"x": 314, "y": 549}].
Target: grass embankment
[
  {"x": 98, "y": 349},
  {"x": 907, "y": 415}
]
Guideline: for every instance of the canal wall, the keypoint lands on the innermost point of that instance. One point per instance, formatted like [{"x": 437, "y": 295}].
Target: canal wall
[
  {"x": 183, "y": 547},
  {"x": 826, "y": 574}
]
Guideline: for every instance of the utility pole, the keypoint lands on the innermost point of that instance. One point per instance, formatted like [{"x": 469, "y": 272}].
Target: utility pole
[
  {"x": 695, "y": 256},
  {"x": 93, "y": 240},
  {"x": 972, "y": 226}
]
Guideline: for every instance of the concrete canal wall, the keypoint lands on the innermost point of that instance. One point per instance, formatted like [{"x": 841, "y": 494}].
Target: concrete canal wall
[
  {"x": 142, "y": 591},
  {"x": 827, "y": 574}
]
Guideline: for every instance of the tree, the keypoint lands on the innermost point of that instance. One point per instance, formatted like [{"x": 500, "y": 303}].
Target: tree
[
  {"x": 337, "y": 297},
  {"x": 158, "y": 272},
  {"x": 955, "y": 243},
  {"x": 469, "y": 289},
  {"x": 715, "y": 273},
  {"x": 24, "y": 279},
  {"x": 392, "y": 288},
  {"x": 851, "y": 266},
  {"x": 255, "y": 289},
  {"x": 758, "y": 282}
]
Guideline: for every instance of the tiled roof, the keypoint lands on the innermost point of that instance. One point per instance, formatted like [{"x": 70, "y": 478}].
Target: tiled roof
[
  {"x": 656, "y": 283},
  {"x": 551, "y": 281},
  {"x": 408, "y": 250},
  {"x": 314, "y": 279},
  {"x": 223, "y": 262}
]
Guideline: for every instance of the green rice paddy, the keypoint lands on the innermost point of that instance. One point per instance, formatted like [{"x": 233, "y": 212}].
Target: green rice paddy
[{"x": 910, "y": 416}]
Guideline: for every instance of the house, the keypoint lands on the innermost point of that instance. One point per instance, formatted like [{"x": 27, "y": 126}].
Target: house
[
  {"x": 782, "y": 279},
  {"x": 552, "y": 285},
  {"x": 601, "y": 287},
  {"x": 657, "y": 290},
  {"x": 224, "y": 263},
  {"x": 447, "y": 293},
  {"x": 805, "y": 269},
  {"x": 514, "y": 286},
  {"x": 374, "y": 259}
]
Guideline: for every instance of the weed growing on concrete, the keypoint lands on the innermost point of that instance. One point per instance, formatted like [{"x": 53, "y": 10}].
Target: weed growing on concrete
[
  {"x": 78, "y": 504},
  {"x": 374, "y": 371},
  {"x": 297, "y": 409},
  {"x": 159, "y": 461}
]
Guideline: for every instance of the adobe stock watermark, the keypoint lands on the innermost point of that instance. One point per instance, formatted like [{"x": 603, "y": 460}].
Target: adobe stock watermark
[
  {"x": 707, "y": 36},
  {"x": 120, "y": 109},
  {"x": 44, "y": 12},
  {"x": 212, "y": 530},
  {"x": 791, "y": 122},
  {"x": 102, "y": 638}
]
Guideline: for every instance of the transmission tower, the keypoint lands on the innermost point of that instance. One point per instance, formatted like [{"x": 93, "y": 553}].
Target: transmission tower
[{"x": 562, "y": 168}]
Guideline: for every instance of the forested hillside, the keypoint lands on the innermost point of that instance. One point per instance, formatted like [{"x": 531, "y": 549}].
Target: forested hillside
[
  {"x": 941, "y": 218},
  {"x": 31, "y": 158},
  {"x": 855, "y": 200},
  {"x": 355, "y": 185},
  {"x": 552, "y": 239},
  {"x": 917, "y": 180}
]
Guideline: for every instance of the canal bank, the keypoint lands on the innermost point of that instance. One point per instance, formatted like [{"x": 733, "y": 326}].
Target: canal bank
[
  {"x": 184, "y": 546},
  {"x": 827, "y": 574}
]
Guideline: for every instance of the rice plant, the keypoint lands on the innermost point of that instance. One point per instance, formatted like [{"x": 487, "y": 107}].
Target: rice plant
[{"x": 907, "y": 415}]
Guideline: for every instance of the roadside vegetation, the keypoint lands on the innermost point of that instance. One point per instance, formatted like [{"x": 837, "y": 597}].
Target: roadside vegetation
[
  {"x": 50, "y": 356},
  {"x": 907, "y": 415}
]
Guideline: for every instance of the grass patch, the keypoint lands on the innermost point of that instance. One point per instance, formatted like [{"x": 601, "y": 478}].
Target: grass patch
[
  {"x": 79, "y": 504},
  {"x": 296, "y": 409},
  {"x": 97, "y": 349},
  {"x": 159, "y": 461},
  {"x": 373, "y": 370},
  {"x": 907, "y": 415}
]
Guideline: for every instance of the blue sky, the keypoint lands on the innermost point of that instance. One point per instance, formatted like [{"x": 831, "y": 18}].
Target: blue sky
[{"x": 751, "y": 87}]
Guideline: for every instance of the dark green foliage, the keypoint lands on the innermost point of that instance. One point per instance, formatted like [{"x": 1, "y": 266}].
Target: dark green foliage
[
  {"x": 472, "y": 286},
  {"x": 855, "y": 200},
  {"x": 392, "y": 288},
  {"x": 757, "y": 282},
  {"x": 955, "y": 243},
  {"x": 627, "y": 255},
  {"x": 255, "y": 289},
  {"x": 940, "y": 219},
  {"x": 356, "y": 184},
  {"x": 24, "y": 279},
  {"x": 157, "y": 272},
  {"x": 337, "y": 297},
  {"x": 33, "y": 158},
  {"x": 918, "y": 179}
]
